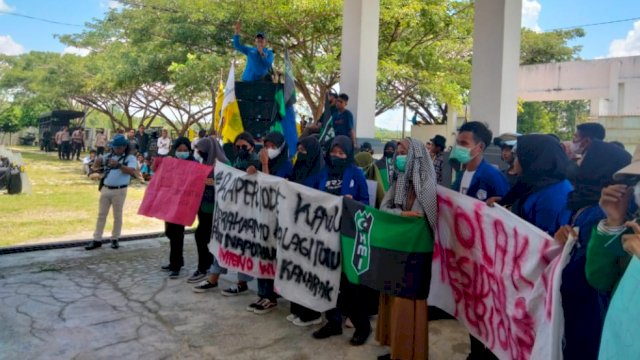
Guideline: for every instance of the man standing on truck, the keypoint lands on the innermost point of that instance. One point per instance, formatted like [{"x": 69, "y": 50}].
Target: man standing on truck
[{"x": 259, "y": 58}]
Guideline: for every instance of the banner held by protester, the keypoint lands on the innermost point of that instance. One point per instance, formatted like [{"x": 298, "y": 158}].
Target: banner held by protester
[
  {"x": 308, "y": 236},
  {"x": 244, "y": 221},
  {"x": 386, "y": 252},
  {"x": 499, "y": 275},
  {"x": 175, "y": 191}
]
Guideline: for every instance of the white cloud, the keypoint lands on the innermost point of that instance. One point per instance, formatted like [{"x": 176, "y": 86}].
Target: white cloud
[
  {"x": 109, "y": 4},
  {"x": 628, "y": 46},
  {"x": 530, "y": 13},
  {"x": 76, "y": 51},
  {"x": 10, "y": 47},
  {"x": 4, "y": 7}
]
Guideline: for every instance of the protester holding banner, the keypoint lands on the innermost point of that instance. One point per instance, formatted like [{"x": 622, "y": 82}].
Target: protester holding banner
[
  {"x": 477, "y": 179},
  {"x": 175, "y": 232},
  {"x": 402, "y": 322},
  {"x": 541, "y": 193},
  {"x": 209, "y": 150},
  {"x": 274, "y": 158},
  {"x": 307, "y": 171},
  {"x": 366, "y": 163},
  {"x": 583, "y": 306},
  {"x": 343, "y": 177},
  {"x": 246, "y": 160}
]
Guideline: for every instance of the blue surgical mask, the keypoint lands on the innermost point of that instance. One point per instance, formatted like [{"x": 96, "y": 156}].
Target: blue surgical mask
[
  {"x": 182, "y": 155},
  {"x": 461, "y": 153},
  {"x": 401, "y": 163}
]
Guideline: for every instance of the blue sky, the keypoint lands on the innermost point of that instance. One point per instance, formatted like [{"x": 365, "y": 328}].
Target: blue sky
[{"x": 18, "y": 34}]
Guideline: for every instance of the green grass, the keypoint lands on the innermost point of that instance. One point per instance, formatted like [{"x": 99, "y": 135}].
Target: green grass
[{"x": 63, "y": 205}]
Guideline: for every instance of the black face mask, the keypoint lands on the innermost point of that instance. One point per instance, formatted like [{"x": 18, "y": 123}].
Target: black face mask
[
  {"x": 243, "y": 154},
  {"x": 302, "y": 157},
  {"x": 388, "y": 154},
  {"x": 338, "y": 162}
]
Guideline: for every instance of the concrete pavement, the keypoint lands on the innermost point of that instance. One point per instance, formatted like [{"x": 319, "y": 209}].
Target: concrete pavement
[{"x": 118, "y": 304}]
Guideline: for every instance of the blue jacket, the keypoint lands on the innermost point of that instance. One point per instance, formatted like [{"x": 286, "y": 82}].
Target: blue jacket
[
  {"x": 547, "y": 208},
  {"x": 487, "y": 182},
  {"x": 315, "y": 181},
  {"x": 353, "y": 183},
  {"x": 584, "y": 307},
  {"x": 257, "y": 66},
  {"x": 284, "y": 171}
]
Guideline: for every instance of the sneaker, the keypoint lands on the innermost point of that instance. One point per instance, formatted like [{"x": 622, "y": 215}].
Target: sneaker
[
  {"x": 254, "y": 305},
  {"x": 166, "y": 267},
  {"x": 235, "y": 290},
  {"x": 359, "y": 338},
  {"x": 174, "y": 274},
  {"x": 196, "y": 277},
  {"x": 299, "y": 322},
  {"x": 114, "y": 244},
  {"x": 265, "y": 307},
  {"x": 327, "y": 331},
  {"x": 204, "y": 287},
  {"x": 93, "y": 245},
  {"x": 291, "y": 318}
]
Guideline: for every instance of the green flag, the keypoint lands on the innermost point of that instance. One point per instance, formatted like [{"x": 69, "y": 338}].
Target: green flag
[{"x": 386, "y": 252}]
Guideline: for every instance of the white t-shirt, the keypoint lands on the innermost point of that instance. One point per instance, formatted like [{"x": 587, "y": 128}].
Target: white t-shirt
[
  {"x": 467, "y": 176},
  {"x": 164, "y": 145}
]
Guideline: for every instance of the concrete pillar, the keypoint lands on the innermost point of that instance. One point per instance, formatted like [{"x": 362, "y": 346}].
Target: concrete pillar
[
  {"x": 496, "y": 58},
  {"x": 359, "y": 62}
]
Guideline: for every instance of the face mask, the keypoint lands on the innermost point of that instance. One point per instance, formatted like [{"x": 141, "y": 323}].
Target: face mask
[
  {"x": 636, "y": 193},
  {"x": 388, "y": 154},
  {"x": 243, "y": 154},
  {"x": 338, "y": 162},
  {"x": 273, "y": 153},
  {"x": 401, "y": 162},
  {"x": 203, "y": 155},
  {"x": 461, "y": 153},
  {"x": 182, "y": 154},
  {"x": 302, "y": 157}
]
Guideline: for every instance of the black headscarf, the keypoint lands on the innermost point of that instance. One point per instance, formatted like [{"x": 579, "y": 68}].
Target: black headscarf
[
  {"x": 183, "y": 141},
  {"x": 543, "y": 163},
  {"x": 346, "y": 144},
  {"x": 313, "y": 162},
  {"x": 596, "y": 172},
  {"x": 278, "y": 140},
  {"x": 210, "y": 150},
  {"x": 391, "y": 144}
]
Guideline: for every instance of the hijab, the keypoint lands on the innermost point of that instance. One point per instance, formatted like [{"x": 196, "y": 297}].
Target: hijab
[
  {"x": 543, "y": 163},
  {"x": 210, "y": 150},
  {"x": 183, "y": 141},
  {"x": 313, "y": 162},
  {"x": 365, "y": 161},
  {"x": 346, "y": 144},
  {"x": 596, "y": 172},
  {"x": 278, "y": 140},
  {"x": 420, "y": 174}
]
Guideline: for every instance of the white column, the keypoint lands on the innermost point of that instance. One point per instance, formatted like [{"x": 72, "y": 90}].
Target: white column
[
  {"x": 496, "y": 57},
  {"x": 359, "y": 62}
]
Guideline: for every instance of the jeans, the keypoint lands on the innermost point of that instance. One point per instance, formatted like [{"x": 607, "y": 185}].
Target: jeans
[
  {"x": 265, "y": 289},
  {"x": 110, "y": 198},
  {"x": 203, "y": 237},
  {"x": 66, "y": 150},
  {"x": 77, "y": 148},
  {"x": 175, "y": 233},
  {"x": 99, "y": 150}
]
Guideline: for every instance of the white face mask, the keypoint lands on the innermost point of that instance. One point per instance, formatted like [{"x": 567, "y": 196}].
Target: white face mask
[
  {"x": 636, "y": 193},
  {"x": 273, "y": 153}
]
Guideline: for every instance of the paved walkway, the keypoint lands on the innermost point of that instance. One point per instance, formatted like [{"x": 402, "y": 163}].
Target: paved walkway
[{"x": 117, "y": 304}]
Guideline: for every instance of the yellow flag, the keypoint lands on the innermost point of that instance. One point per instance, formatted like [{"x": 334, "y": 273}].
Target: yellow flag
[
  {"x": 232, "y": 122},
  {"x": 218, "y": 111}
]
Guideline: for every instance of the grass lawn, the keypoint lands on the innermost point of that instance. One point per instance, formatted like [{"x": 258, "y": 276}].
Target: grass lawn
[{"x": 63, "y": 205}]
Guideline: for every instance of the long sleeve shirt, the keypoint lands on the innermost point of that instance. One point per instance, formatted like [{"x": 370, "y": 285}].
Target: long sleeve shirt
[{"x": 257, "y": 65}]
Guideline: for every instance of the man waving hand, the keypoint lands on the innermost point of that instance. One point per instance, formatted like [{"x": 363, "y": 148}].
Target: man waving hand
[{"x": 259, "y": 58}]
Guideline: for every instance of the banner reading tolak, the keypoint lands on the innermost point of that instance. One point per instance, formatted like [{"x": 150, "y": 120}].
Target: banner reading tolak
[
  {"x": 244, "y": 221},
  {"x": 308, "y": 237},
  {"x": 499, "y": 276}
]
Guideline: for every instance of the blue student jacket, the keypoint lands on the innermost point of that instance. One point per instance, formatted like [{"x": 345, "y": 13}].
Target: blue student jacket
[
  {"x": 547, "y": 207},
  {"x": 486, "y": 183},
  {"x": 285, "y": 170},
  {"x": 353, "y": 183},
  {"x": 257, "y": 66},
  {"x": 314, "y": 181}
]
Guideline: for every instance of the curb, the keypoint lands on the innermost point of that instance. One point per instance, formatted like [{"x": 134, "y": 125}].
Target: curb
[{"x": 79, "y": 243}]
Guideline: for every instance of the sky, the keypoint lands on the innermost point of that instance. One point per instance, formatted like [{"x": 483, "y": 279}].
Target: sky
[{"x": 19, "y": 34}]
